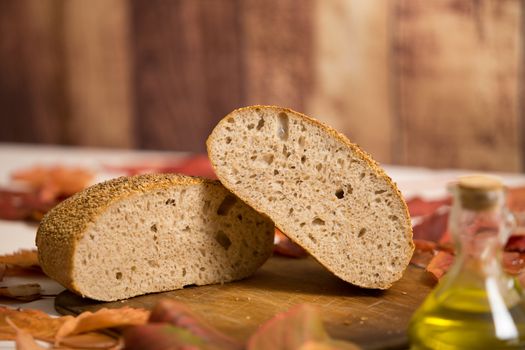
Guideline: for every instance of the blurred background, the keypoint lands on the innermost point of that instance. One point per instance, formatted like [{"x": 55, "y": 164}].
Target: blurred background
[{"x": 436, "y": 83}]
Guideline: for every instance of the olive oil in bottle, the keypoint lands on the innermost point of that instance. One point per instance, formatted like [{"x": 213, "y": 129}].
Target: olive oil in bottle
[{"x": 476, "y": 305}]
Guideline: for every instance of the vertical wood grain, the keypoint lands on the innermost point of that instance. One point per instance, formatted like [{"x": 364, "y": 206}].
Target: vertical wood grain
[
  {"x": 457, "y": 71},
  {"x": 187, "y": 67},
  {"x": 97, "y": 73},
  {"x": 352, "y": 89},
  {"x": 31, "y": 91},
  {"x": 277, "y": 52}
]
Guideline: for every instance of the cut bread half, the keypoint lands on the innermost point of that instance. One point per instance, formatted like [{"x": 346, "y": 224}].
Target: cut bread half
[
  {"x": 151, "y": 233},
  {"x": 320, "y": 189}
]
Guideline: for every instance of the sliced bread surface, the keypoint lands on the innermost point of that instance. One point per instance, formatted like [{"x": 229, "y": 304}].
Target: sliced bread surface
[
  {"x": 150, "y": 233},
  {"x": 320, "y": 189}
]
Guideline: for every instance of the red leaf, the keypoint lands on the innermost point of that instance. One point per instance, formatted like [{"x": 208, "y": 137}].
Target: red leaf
[
  {"x": 440, "y": 264},
  {"x": 515, "y": 244},
  {"x": 179, "y": 315},
  {"x": 286, "y": 247},
  {"x": 296, "y": 328},
  {"x": 420, "y": 207},
  {"x": 433, "y": 227}
]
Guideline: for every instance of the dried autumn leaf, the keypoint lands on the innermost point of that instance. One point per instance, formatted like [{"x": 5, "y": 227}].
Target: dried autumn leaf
[
  {"x": 179, "y": 315},
  {"x": 22, "y": 258},
  {"x": 90, "y": 340},
  {"x": 54, "y": 181},
  {"x": 22, "y": 292},
  {"x": 163, "y": 336},
  {"x": 421, "y": 207},
  {"x": 24, "y": 340},
  {"x": 37, "y": 323},
  {"x": 440, "y": 264},
  {"x": 101, "y": 319},
  {"x": 197, "y": 165},
  {"x": 284, "y": 246},
  {"x": 3, "y": 269},
  {"x": 294, "y": 329},
  {"x": 18, "y": 205}
]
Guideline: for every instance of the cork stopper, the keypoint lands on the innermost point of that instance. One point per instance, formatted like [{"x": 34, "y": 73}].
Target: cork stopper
[{"x": 479, "y": 192}]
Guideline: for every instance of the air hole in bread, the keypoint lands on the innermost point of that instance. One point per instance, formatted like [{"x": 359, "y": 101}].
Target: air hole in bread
[
  {"x": 318, "y": 167},
  {"x": 379, "y": 191},
  {"x": 170, "y": 201},
  {"x": 268, "y": 158},
  {"x": 285, "y": 152},
  {"x": 260, "y": 124},
  {"x": 282, "y": 129},
  {"x": 206, "y": 207},
  {"x": 186, "y": 229},
  {"x": 276, "y": 172},
  {"x": 392, "y": 217},
  {"x": 223, "y": 239},
  {"x": 251, "y": 126},
  {"x": 341, "y": 162},
  {"x": 254, "y": 157},
  {"x": 340, "y": 193},
  {"x": 84, "y": 262},
  {"x": 362, "y": 231},
  {"x": 377, "y": 200},
  {"x": 155, "y": 237},
  {"x": 318, "y": 222},
  {"x": 153, "y": 228},
  {"x": 118, "y": 275},
  {"x": 312, "y": 238},
  {"x": 302, "y": 224},
  {"x": 290, "y": 212},
  {"x": 230, "y": 120},
  {"x": 153, "y": 263},
  {"x": 227, "y": 203},
  {"x": 91, "y": 237},
  {"x": 183, "y": 271},
  {"x": 202, "y": 268},
  {"x": 133, "y": 268},
  {"x": 228, "y": 140},
  {"x": 303, "y": 159},
  {"x": 362, "y": 176},
  {"x": 301, "y": 141}
]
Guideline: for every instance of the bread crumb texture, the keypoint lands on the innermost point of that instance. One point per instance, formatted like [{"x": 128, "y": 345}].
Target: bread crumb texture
[
  {"x": 320, "y": 189},
  {"x": 151, "y": 233}
]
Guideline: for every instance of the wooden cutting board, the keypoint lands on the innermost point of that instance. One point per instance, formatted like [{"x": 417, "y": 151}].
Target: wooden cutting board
[{"x": 373, "y": 319}]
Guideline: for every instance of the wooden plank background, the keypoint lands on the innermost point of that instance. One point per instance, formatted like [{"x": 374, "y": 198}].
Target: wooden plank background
[{"x": 436, "y": 83}]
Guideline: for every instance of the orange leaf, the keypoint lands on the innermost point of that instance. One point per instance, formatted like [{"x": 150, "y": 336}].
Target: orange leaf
[
  {"x": 102, "y": 319},
  {"x": 24, "y": 340},
  {"x": 90, "y": 340},
  {"x": 21, "y": 258},
  {"x": 55, "y": 181},
  {"x": 37, "y": 323}
]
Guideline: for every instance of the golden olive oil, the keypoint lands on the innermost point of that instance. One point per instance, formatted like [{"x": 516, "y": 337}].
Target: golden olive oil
[{"x": 476, "y": 305}]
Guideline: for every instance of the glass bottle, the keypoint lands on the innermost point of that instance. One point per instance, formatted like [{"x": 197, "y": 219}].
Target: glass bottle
[{"x": 476, "y": 305}]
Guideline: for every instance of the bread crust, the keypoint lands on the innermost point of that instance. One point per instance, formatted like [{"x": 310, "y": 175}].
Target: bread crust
[{"x": 373, "y": 165}]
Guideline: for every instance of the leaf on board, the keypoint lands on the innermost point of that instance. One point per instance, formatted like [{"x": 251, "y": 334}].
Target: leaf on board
[
  {"x": 23, "y": 339},
  {"x": 102, "y": 319},
  {"x": 37, "y": 323},
  {"x": 301, "y": 327},
  {"x": 22, "y": 292},
  {"x": 179, "y": 315}
]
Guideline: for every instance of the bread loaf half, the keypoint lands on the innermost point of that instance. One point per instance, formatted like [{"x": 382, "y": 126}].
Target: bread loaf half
[
  {"x": 320, "y": 189},
  {"x": 151, "y": 233}
]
